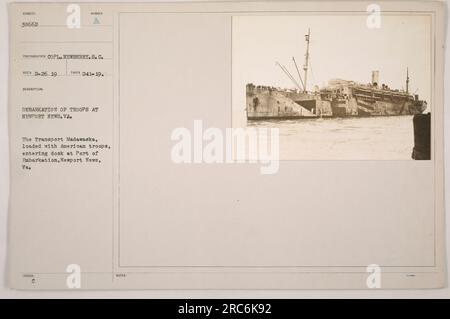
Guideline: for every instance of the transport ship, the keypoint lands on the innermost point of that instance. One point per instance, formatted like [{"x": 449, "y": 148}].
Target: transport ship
[{"x": 340, "y": 98}]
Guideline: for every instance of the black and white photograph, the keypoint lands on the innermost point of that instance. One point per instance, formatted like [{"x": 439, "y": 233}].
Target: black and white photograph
[{"x": 337, "y": 86}]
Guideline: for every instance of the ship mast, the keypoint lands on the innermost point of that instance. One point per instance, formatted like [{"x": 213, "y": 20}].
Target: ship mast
[
  {"x": 305, "y": 67},
  {"x": 407, "y": 80}
]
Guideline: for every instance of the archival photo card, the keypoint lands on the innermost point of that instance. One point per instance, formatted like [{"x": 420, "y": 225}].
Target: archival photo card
[{"x": 226, "y": 145}]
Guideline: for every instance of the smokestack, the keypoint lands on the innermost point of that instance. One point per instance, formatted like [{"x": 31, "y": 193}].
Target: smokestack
[
  {"x": 375, "y": 76},
  {"x": 407, "y": 80}
]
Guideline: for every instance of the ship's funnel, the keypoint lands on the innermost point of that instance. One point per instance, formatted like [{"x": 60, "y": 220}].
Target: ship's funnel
[{"x": 375, "y": 77}]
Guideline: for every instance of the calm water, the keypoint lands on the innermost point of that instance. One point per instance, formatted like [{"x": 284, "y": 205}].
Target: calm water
[{"x": 376, "y": 138}]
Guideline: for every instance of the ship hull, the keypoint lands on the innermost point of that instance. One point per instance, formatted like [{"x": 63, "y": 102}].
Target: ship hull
[{"x": 265, "y": 103}]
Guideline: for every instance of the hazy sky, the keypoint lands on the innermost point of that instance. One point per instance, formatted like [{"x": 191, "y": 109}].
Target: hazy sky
[{"x": 342, "y": 46}]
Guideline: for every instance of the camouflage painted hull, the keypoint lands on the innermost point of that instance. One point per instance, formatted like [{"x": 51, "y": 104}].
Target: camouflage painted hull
[{"x": 264, "y": 103}]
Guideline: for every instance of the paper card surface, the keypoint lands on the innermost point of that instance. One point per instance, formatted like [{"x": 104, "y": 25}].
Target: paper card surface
[{"x": 240, "y": 145}]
